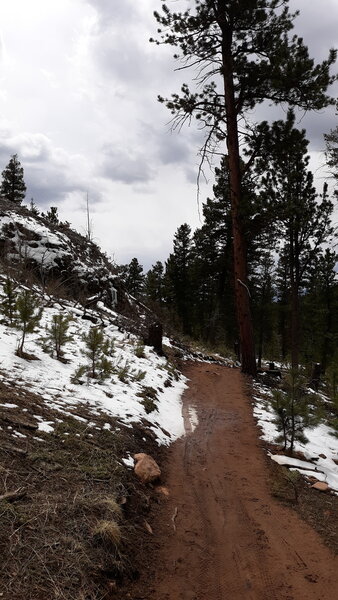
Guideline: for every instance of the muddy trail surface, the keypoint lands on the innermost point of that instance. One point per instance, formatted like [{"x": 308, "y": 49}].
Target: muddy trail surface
[{"x": 219, "y": 535}]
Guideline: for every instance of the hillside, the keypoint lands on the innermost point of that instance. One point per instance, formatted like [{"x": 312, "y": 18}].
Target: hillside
[{"x": 69, "y": 501}]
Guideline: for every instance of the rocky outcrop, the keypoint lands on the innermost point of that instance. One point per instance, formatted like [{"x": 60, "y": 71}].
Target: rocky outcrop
[{"x": 55, "y": 255}]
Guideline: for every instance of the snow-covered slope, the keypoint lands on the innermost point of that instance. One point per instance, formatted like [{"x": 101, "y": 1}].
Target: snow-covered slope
[
  {"x": 72, "y": 277},
  {"x": 121, "y": 394},
  {"x": 55, "y": 255},
  {"x": 320, "y": 452}
]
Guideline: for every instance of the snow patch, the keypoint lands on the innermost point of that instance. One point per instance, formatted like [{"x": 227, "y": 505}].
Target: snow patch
[{"x": 46, "y": 426}]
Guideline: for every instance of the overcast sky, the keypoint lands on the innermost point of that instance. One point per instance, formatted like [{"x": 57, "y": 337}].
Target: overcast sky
[{"x": 79, "y": 82}]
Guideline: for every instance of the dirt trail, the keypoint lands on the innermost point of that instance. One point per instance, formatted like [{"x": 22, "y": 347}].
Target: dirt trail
[{"x": 220, "y": 535}]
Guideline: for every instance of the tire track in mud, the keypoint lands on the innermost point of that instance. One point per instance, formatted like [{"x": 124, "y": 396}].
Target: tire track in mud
[{"x": 231, "y": 540}]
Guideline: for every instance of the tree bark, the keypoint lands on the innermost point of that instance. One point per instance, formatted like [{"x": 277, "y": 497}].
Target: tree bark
[
  {"x": 242, "y": 294},
  {"x": 295, "y": 284}
]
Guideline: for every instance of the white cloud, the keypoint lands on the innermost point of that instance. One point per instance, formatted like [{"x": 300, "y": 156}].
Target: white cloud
[{"x": 78, "y": 88}]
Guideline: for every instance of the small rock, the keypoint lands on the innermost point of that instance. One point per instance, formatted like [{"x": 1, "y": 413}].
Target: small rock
[
  {"x": 322, "y": 456},
  {"x": 161, "y": 489},
  {"x": 320, "y": 485},
  {"x": 146, "y": 468},
  {"x": 148, "y": 527}
]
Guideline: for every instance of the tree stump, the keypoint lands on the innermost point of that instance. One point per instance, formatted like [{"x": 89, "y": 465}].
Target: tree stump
[
  {"x": 315, "y": 376},
  {"x": 154, "y": 337}
]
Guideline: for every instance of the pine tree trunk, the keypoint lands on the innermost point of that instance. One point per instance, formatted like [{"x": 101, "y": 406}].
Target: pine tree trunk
[
  {"x": 294, "y": 327},
  {"x": 260, "y": 345},
  {"x": 327, "y": 340},
  {"x": 22, "y": 339},
  {"x": 294, "y": 280},
  {"x": 242, "y": 295}
]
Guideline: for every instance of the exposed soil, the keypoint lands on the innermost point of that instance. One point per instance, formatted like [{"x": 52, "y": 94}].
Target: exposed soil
[{"x": 220, "y": 534}]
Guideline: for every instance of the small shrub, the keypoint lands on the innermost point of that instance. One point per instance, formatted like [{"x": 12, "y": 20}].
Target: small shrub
[
  {"x": 285, "y": 485},
  {"x": 172, "y": 371},
  {"x": 140, "y": 375},
  {"x": 139, "y": 350},
  {"x": 292, "y": 409},
  {"x": 98, "y": 350},
  {"x": 123, "y": 372},
  {"x": 149, "y": 405},
  {"x": 29, "y": 315},
  {"x": 8, "y": 303},
  {"x": 110, "y": 505},
  {"x": 57, "y": 335},
  {"x": 149, "y": 399},
  {"x": 79, "y": 374},
  {"x": 105, "y": 367},
  {"x": 107, "y": 533}
]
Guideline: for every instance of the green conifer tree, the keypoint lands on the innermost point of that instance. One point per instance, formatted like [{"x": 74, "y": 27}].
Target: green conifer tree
[
  {"x": 153, "y": 285},
  {"x": 33, "y": 208},
  {"x": 52, "y": 216},
  {"x": 241, "y": 54},
  {"x": 29, "y": 315},
  {"x": 292, "y": 409},
  {"x": 178, "y": 273},
  {"x": 98, "y": 349},
  {"x": 302, "y": 221},
  {"x": 57, "y": 335},
  {"x": 13, "y": 186},
  {"x": 8, "y": 302},
  {"x": 135, "y": 278}
]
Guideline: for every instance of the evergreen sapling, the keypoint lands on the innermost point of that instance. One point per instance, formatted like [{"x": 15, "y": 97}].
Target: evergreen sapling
[
  {"x": 292, "y": 409},
  {"x": 97, "y": 350},
  {"x": 29, "y": 315},
  {"x": 8, "y": 303},
  {"x": 57, "y": 335}
]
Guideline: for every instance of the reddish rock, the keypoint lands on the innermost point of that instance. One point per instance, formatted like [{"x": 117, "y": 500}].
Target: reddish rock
[
  {"x": 162, "y": 490},
  {"x": 146, "y": 468},
  {"x": 320, "y": 485}
]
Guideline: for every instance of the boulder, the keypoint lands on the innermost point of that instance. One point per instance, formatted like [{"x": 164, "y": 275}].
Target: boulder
[{"x": 146, "y": 468}]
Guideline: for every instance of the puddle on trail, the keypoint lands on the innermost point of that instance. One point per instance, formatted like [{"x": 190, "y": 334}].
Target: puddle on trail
[{"x": 190, "y": 418}]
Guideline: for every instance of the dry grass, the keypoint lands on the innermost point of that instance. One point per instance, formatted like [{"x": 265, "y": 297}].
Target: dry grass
[
  {"x": 72, "y": 536},
  {"x": 107, "y": 533}
]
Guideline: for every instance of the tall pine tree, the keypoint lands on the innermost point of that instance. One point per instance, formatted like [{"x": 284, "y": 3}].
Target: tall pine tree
[
  {"x": 135, "y": 278},
  {"x": 153, "y": 286},
  {"x": 243, "y": 54},
  {"x": 178, "y": 277},
  {"x": 302, "y": 220}
]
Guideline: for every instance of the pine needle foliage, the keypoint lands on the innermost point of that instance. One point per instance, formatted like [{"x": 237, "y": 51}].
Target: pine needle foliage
[
  {"x": 13, "y": 186},
  {"x": 240, "y": 54},
  {"x": 8, "y": 303},
  {"x": 98, "y": 350},
  {"x": 292, "y": 407},
  {"x": 29, "y": 315},
  {"x": 57, "y": 335}
]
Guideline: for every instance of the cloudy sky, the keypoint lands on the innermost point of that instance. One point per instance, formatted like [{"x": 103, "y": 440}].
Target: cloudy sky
[{"x": 79, "y": 82}]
